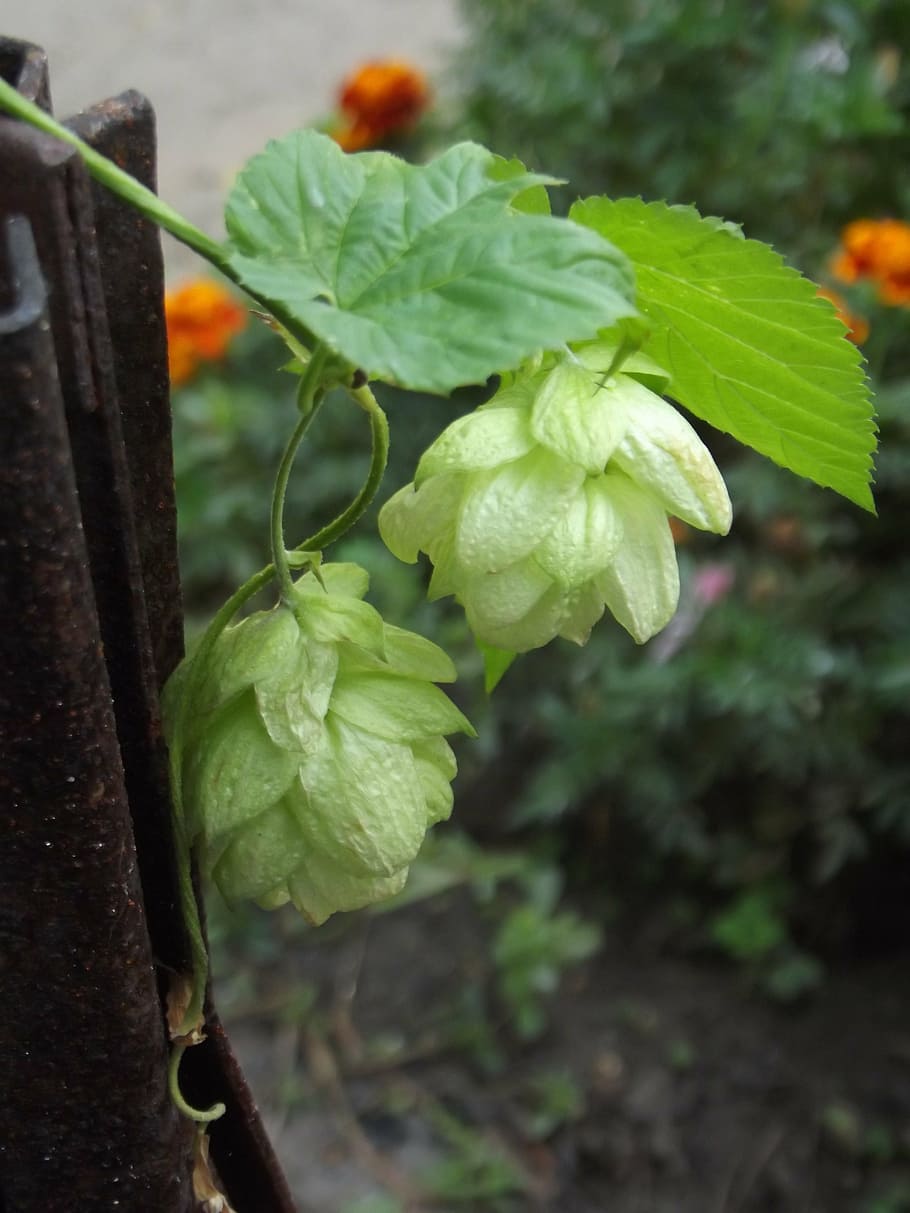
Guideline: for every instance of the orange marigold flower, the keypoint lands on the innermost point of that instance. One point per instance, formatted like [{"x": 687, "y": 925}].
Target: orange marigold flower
[
  {"x": 202, "y": 319},
  {"x": 382, "y": 98},
  {"x": 856, "y": 257},
  {"x": 877, "y": 249},
  {"x": 182, "y": 358},
  {"x": 894, "y": 287},
  {"x": 857, "y": 326}
]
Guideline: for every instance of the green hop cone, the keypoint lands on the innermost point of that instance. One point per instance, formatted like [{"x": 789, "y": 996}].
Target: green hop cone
[
  {"x": 314, "y": 752},
  {"x": 551, "y": 502}
]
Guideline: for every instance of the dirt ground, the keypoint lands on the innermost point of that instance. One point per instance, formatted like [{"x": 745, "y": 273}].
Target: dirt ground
[
  {"x": 683, "y": 1091},
  {"x": 224, "y": 75}
]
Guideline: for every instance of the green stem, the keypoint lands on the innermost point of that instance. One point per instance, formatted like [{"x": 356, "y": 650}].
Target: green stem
[
  {"x": 308, "y": 405},
  {"x": 115, "y": 179},
  {"x": 628, "y": 345},
  {"x": 200, "y": 1115},
  {"x": 379, "y": 427},
  {"x": 146, "y": 202}
]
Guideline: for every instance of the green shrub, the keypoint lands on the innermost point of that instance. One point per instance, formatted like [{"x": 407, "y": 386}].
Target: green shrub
[{"x": 786, "y": 116}]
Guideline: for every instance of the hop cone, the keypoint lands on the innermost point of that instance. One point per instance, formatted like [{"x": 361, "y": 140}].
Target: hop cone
[
  {"x": 314, "y": 750},
  {"x": 550, "y": 503}
]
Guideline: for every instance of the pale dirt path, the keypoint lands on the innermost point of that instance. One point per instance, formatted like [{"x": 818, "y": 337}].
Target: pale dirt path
[{"x": 223, "y": 75}]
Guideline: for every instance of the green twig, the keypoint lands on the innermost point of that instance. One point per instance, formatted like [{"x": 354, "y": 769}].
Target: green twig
[
  {"x": 148, "y": 204},
  {"x": 115, "y": 179},
  {"x": 307, "y": 402},
  {"x": 379, "y": 427},
  {"x": 200, "y": 1115}
]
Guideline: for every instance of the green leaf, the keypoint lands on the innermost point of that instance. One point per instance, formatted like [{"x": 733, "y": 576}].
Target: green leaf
[
  {"x": 364, "y": 807},
  {"x": 572, "y": 415},
  {"x": 436, "y": 768},
  {"x": 406, "y": 654},
  {"x": 641, "y": 584},
  {"x": 260, "y": 855},
  {"x": 495, "y": 663},
  {"x": 331, "y": 618},
  {"x": 601, "y": 356},
  {"x": 218, "y": 785},
  {"x": 264, "y": 647},
  {"x": 482, "y": 439},
  {"x": 535, "y": 201},
  {"x": 750, "y": 347},
  {"x": 585, "y": 537},
  {"x": 508, "y": 510},
  {"x": 425, "y": 276},
  {"x": 397, "y": 709},
  {"x": 416, "y": 657}
]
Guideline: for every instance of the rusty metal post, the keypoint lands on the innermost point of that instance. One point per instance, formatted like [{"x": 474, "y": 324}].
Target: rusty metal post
[
  {"x": 91, "y": 600},
  {"x": 80, "y": 1034}
]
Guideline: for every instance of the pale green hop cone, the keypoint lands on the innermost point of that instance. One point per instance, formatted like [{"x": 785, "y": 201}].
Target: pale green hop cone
[
  {"x": 314, "y": 751},
  {"x": 550, "y": 504}
]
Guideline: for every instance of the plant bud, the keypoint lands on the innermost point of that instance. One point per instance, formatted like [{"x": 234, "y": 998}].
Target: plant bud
[
  {"x": 314, "y": 752},
  {"x": 550, "y": 503}
]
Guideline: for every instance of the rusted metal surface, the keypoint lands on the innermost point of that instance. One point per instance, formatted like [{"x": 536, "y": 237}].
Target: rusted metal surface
[
  {"x": 132, "y": 275},
  {"x": 132, "y": 278},
  {"x": 24, "y": 65},
  {"x": 124, "y": 468},
  {"x": 98, "y": 377},
  {"x": 80, "y": 1033}
]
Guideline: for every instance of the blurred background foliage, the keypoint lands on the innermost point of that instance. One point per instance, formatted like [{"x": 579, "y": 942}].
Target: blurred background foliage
[
  {"x": 740, "y": 785},
  {"x": 787, "y": 116}
]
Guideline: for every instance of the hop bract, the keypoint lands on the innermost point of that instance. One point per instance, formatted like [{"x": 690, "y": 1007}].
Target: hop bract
[
  {"x": 314, "y": 751},
  {"x": 551, "y": 502}
]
